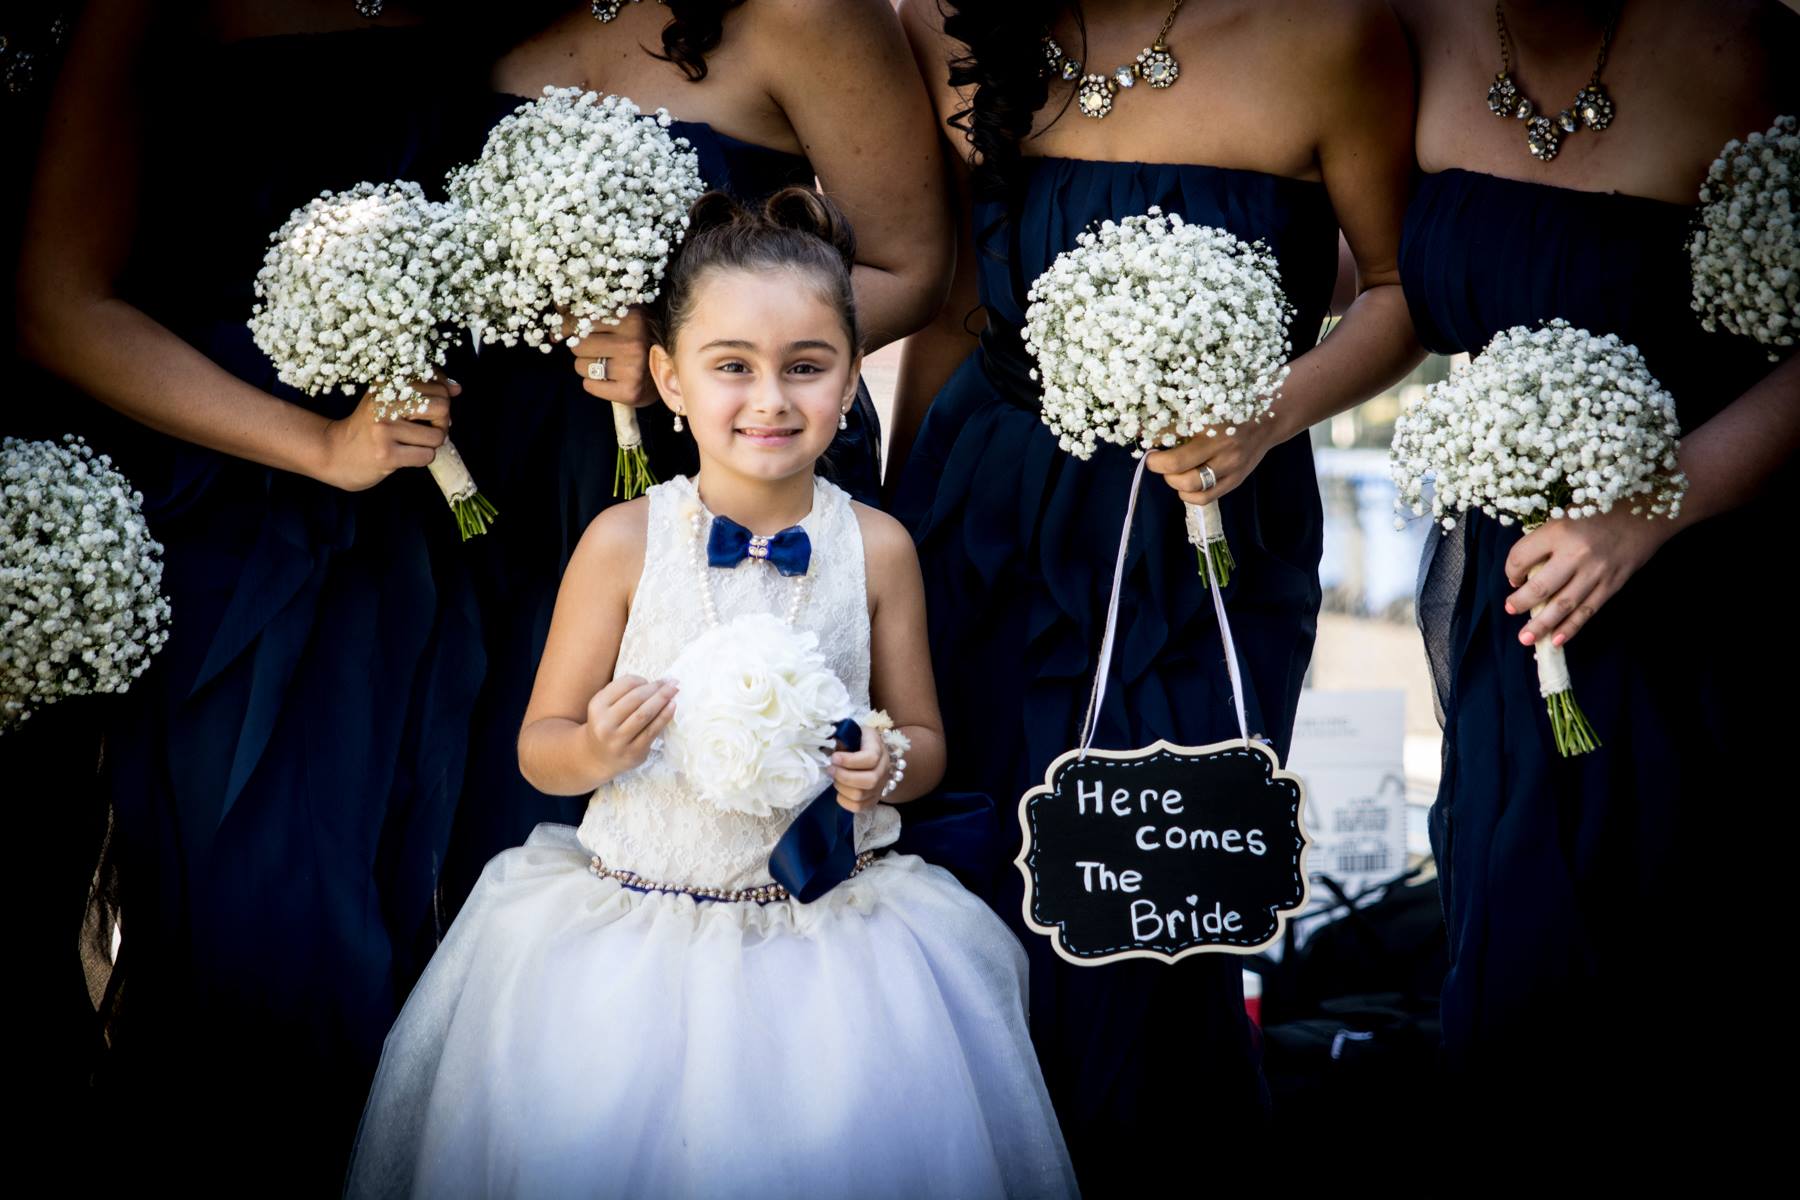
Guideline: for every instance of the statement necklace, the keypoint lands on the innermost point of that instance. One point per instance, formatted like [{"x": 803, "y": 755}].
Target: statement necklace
[
  {"x": 1593, "y": 108},
  {"x": 1094, "y": 97}
]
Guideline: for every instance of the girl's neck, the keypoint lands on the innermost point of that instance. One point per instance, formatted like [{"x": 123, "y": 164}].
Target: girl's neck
[
  {"x": 1557, "y": 29},
  {"x": 763, "y": 506}
]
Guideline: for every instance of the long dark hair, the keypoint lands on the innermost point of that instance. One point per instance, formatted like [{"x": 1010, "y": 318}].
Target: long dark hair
[{"x": 1003, "y": 65}]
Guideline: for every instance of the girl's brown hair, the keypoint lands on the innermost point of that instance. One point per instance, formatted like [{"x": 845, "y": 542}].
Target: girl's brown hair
[{"x": 796, "y": 228}]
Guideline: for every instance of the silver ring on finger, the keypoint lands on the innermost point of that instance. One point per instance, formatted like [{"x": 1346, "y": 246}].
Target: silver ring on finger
[
  {"x": 597, "y": 370},
  {"x": 1208, "y": 481}
]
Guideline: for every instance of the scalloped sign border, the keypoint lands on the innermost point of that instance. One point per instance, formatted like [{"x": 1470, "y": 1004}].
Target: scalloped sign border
[{"x": 1280, "y": 909}]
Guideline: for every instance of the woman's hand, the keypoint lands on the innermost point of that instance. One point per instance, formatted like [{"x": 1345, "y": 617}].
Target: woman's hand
[
  {"x": 861, "y": 774},
  {"x": 1231, "y": 458},
  {"x": 1581, "y": 564},
  {"x": 361, "y": 451},
  {"x": 624, "y": 718},
  {"x": 624, "y": 349}
]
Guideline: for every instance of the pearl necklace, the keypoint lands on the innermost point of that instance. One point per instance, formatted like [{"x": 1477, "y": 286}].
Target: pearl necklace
[{"x": 698, "y": 520}]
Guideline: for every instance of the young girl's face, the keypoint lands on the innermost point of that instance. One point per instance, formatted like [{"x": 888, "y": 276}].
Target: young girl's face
[{"x": 761, "y": 371}]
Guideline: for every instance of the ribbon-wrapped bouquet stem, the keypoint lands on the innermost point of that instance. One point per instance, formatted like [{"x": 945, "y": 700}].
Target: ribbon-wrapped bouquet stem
[
  {"x": 1544, "y": 424},
  {"x": 1151, "y": 331},
  {"x": 574, "y": 207},
  {"x": 359, "y": 290}
]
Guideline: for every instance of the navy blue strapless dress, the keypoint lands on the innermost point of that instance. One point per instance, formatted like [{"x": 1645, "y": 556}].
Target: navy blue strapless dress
[
  {"x": 542, "y": 449},
  {"x": 1601, "y": 911},
  {"x": 284, "y": 776},
  {"x": 1017, "y": 541}
]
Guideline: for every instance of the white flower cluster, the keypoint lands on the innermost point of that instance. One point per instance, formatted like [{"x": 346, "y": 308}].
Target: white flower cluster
[
  {"x": 1543, "y": 424},
  {"x": 573, "y": 207},
  {"x": 358, "y": 290},
  {"x": 1150, "y": 330},
  {"x": 1746, "y": 249},
  {"x": 81, "y": 606},
  {"x": 758, "y": 705}
]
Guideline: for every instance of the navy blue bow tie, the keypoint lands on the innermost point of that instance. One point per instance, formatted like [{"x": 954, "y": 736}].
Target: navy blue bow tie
[{"x": 729, "y": 544}]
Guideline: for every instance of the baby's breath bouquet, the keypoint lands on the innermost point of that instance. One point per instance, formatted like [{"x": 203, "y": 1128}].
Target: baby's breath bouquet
[
  {"x": 81, "y": 605},
  {"x": 574, "y": 207},
  {"x": 1745, "y": 252},
  {"x": 1544, "y": 424},
  {"x": 358, "y": 291},
  {"x": 1151, "y": 331}
]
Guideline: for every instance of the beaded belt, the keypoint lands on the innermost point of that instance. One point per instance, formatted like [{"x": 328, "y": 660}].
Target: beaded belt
[{"x": 767, "y": 893}]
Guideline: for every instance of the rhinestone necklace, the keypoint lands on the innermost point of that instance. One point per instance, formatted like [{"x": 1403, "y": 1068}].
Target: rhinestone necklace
[
  {"x": 1592, "y": 108},
  {"x": 1094, "y": 97}
]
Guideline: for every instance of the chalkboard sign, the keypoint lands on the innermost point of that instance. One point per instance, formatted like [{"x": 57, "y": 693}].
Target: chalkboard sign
[{"x": 1163, "y": 852}]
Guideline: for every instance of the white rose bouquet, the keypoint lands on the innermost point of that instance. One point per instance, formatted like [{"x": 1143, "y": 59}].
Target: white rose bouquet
[
  {"x": 574, "y": 207},
  {"x": 1150, "y": 331},
  {"x": 1745, "y": 252},
  {"x": 358, "y": 290},
  {"x": 81, "y": 606},
  {"x": 753, "y": 730},
  {"x": 1544, "y": 424}
]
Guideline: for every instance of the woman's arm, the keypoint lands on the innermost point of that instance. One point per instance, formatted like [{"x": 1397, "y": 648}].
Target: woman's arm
[
  {"x": 931, "y": 355},
  {"x": 582, "y": 726},
  {"x": 861, "y": 113},
  {"x": 1362, "y": 89},
  {"x": 72, "y": 321},
  {"x": 900, "y": 679},
  {"x": 1727, "y": 460}
]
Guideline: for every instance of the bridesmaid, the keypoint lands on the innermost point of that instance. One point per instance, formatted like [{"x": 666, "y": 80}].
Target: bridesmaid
[
  {"x": 858, "y": 120},
  {"x": 1598, "y": 906},
  {"x": 282, "y": 778},
  {"x": 1288, "y": 121}
]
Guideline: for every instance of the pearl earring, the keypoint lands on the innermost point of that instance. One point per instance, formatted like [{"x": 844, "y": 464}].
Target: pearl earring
[
  {"x": 678, "y": 420},
  {"x": 844, "y": 419}
]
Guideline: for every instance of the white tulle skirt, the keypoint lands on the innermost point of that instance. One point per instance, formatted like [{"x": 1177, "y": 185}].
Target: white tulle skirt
[{"x": 575, "y": 1038}]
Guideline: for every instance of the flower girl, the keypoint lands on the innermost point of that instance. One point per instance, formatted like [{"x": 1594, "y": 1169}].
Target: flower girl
[{"x": 639, "y": 1007}]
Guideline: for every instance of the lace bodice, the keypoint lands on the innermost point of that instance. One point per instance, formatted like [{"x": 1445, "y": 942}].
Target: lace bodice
[{"x": 648, "y": 820}]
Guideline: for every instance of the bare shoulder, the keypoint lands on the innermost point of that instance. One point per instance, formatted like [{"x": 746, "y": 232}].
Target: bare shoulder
[
  {"x": 611, "y": 550},
  {"x": 887, "y": 547},
  {"x": 1337, "y": 40},
  {"x": 792, "y": 23}
]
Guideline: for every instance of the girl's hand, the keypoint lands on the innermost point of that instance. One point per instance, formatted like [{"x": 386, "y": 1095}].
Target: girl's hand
[
  {"x": 1231, "y": 456},
  {"x": 625, "y": 349},
  {"x": 861, "y": 774},
  {"x": 361, "y": 451},
  {"x": 624, "y": 718},
  {"x": 1584, "y": 562}
]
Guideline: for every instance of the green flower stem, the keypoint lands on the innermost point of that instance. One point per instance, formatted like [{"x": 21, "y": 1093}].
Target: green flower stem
[
  {"x": 473, "y": 515},
  {"x": 631, "y": 473}
]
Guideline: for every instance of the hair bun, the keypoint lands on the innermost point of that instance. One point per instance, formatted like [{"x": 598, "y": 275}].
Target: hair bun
[
  {"x": 714, "y": 210},
  {"x": 805, "y": 211}
]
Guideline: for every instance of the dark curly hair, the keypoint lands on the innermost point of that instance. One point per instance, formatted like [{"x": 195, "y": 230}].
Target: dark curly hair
[
  {"x": 695, "y": 27},
  {"x": 795, "y": 228},
  {"x": 1002, "y": 64}
]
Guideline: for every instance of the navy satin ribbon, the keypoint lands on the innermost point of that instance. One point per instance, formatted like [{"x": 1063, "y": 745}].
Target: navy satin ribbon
[
  {"x": 959, "y": 831},
  {"x": 729, "y": 544},
  {"x": 818, "y": 851}
]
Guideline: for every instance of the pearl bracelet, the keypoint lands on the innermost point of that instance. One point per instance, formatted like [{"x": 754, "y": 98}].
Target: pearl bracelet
[{"x": 897, "y": 744}]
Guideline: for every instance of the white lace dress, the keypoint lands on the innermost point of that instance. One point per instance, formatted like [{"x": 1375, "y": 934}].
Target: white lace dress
[{"x": 576, "y": 1037}]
